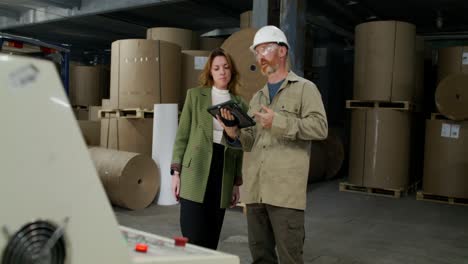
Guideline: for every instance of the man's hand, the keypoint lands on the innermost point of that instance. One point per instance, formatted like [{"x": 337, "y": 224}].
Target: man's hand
[
  {"x": 232, "y": 132},
  {"x": 265, "y": 118}
]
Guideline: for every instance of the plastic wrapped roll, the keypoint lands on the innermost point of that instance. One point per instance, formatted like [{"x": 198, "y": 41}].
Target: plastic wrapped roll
[
  {"x": 131, "y": 180},
  {"x": 250, "y": 77},
  {"x": 452, "y": 96}
]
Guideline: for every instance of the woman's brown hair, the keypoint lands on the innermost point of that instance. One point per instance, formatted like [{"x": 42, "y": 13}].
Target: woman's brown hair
[{"x": 206, "y": 79}]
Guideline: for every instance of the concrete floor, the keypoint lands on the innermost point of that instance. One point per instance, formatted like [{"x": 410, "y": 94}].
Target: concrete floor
[{"x": 343, "y": 227}]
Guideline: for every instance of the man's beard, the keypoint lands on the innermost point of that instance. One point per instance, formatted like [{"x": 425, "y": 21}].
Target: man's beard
[{"x": 268, "y": 67}]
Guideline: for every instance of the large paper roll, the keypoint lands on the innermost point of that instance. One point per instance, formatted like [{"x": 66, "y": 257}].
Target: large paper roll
[
  {"x": 384, "y": 61},
  {"x": 452, "y": 96},
  {"x": 131, "y": 180},
  {"x": 133, "y": 135},
  {"x": 380, "y": 148},
  {"x": 207, "y": 43},
  {"x": 88, "y": 84},
  {"x": 250, "y": 76},
  {"x": 144, "y": 72},
  {"x": 185, "y": 38},
  {"x": 452, "y": 60},
  {"x": 445, "y": 158},
  {"x": 193, "y": 62},
  {"x": 164, "y": 132}
]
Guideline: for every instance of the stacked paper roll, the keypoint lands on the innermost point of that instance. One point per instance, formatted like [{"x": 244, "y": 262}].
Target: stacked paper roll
[
  {"x": 452, "y": 96},
  {"x": 144, "y": 72},
  {"x": 164, "y": 132},
  {"x": 186, "y": 39},
  {"x": 87, "y": 84},
  {"x": 131, "y": 180},
  {"x": 250, "y": 77},
  {"x": 207, "y": 43},
  {"x": 193, "y": 62},
  {"x": 384, "y": 61},
  {"x": 380, "y": 148}
]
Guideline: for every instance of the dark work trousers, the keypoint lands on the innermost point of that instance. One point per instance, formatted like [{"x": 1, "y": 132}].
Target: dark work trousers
[
  {"x": 201, "y": 222},
  {"x": 271, "y": 226}
]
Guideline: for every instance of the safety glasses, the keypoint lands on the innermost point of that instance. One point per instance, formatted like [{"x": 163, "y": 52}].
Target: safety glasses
[{"x": 265, "y": 50}]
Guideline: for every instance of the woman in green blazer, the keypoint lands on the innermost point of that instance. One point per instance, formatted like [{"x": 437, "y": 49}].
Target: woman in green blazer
[{"x": 206, "y": 173}]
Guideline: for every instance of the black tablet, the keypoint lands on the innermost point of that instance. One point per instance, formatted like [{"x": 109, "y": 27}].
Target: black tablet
[{"x": 243, "y": 120}]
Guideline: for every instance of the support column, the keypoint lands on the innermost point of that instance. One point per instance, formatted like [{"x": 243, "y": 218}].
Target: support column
[{"x": 293, "y": 23}]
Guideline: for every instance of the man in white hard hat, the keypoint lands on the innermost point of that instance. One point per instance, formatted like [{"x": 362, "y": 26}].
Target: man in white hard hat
[{"x": 289, "y": 114}]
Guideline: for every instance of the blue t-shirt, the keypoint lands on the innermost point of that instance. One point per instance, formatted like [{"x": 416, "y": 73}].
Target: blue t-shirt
[{"x": 273, "y": 89}]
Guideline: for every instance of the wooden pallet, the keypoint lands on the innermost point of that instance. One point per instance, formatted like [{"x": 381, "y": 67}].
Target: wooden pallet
[
  {"x": 135, "y": 113},
  {"x": 364, "y": 104},
  {"x": 385, "y": 192},
  {"x": 84, "y": 107},
  {"x": 106, "y": 113},
  {"x": 422, "y": 196},
  {"x": 129, "y": 113},
  {"x": 438, "y": 116}
]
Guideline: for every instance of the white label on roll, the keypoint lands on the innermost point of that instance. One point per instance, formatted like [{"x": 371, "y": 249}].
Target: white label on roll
[
  {"x": 465, "y": 58},
  {"x": 445, "y": 132},
  {"x": 455, "y": 131},
  {"x": 199, "y": 62}
]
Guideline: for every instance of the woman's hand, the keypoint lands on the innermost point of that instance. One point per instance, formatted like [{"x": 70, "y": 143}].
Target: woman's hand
[
  {"x": 235, "y": 196},
  {"x": 176, "y": 185}
]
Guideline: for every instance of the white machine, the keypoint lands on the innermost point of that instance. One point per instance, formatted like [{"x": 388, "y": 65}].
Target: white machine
[{"x": 54, "y": 207}]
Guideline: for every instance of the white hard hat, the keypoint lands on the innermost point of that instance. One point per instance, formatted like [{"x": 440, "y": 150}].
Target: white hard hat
[{"x": 268, "y": 34}]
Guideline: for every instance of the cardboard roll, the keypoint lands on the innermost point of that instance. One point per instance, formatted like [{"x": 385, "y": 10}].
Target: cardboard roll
[
  {"x": 452, "y": 96},
  {"x": 384, "y": 61},
  {"x": 250, "y": 77},
  {"x": 207, "y": 43},
  {"x": 445, "y": 158},
  {"x": 144, "y": 72},
  {"x": 186, "y": 39},
  {"x": 88, "y": 84},
  {"x": 326, "y": 157},
  {"x": 131, "y": 180},
  {"x": 133, "y": 135},
  {"x": 193, "y": 62},
  {"x": 379, "y": 148},
  {"x": 452, "y": 60}
]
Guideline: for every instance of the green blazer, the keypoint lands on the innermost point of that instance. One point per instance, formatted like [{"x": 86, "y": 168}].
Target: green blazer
[{"x": 194, "y": 146}]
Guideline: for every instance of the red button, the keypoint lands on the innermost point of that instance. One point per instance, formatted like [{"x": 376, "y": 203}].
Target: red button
[
  {"x": 180, "y": 241},
  {"x": 140, "y": 247}
]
